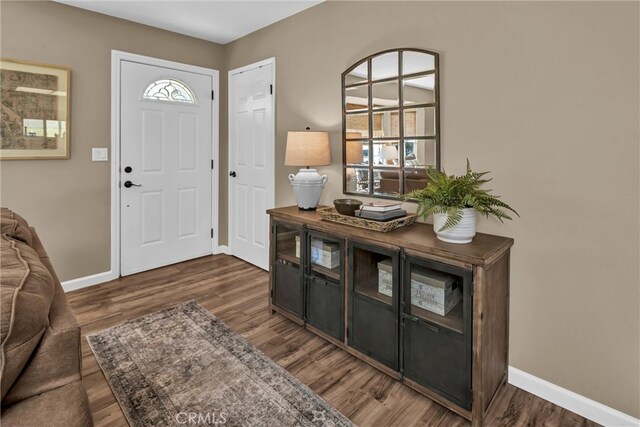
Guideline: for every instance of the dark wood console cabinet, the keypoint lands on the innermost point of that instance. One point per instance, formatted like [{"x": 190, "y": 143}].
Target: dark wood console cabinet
[{"x": 356, "y": 288}]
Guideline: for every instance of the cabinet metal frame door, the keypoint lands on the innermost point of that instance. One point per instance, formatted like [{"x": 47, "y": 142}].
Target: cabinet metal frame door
[
  {"x": 286, "y": 278},
  {"x": 329, "y": 289},
  {"x": 376, "y": 314},
  {"x": 453, "y": 347}
]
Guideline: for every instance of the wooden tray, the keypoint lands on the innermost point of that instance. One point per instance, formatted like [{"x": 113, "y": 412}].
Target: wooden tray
[{"x": 330, "y": 214}]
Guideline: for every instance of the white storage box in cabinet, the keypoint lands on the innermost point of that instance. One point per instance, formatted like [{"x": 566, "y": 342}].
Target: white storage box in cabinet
[
  {"x": 430, "y": 290},
  {"x": 326, "y": 254}
]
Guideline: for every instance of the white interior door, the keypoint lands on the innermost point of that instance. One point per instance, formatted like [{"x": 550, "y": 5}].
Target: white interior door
[
  {"x": 165, "y": 166},
  {"x": 251, "y": 162}
]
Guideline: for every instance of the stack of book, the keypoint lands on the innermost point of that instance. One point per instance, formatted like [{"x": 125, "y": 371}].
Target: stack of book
[{"x": 381, "y": 211}]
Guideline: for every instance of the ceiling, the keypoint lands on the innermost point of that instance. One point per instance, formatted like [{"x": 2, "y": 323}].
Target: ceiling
[{"x": 214, "y": 20}]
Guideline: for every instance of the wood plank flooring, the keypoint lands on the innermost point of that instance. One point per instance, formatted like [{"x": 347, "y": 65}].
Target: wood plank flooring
[{"x": 236, "y": 292}]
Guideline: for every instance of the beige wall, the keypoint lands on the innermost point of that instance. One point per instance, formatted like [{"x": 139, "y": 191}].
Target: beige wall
[
  {"x": 545, "y": 95},
  {"x": 68, "y": 201}
]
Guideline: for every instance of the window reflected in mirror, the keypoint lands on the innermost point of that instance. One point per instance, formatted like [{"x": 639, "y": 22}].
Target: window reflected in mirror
[{"x": 390, "y": 122}]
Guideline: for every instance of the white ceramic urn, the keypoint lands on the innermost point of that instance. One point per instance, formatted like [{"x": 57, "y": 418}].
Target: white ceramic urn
[
  {"x": 463, "y": 231},
  {"x": 307, "y": 186}
]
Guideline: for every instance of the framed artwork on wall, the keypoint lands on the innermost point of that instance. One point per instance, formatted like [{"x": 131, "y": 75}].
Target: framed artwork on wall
[{"x": 35, "y": 115}]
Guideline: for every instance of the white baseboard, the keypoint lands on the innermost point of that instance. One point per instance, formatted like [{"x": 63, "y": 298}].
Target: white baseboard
[
  {"x": 96, "y": 279},
  {"x": 223, "y": 249},
  {"x": 83, "y": 282},
  {"x": 571, "y": 401}
]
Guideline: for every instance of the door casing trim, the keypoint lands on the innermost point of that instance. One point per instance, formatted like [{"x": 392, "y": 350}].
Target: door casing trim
[
  {"x": 117, "y": 57},
  {"x": 271, "y": 197}
]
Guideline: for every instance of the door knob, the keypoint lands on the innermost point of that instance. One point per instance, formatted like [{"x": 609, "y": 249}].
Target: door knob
[
  {"x": 232, "y": 174},
  {"x": 129, "y": 184}
]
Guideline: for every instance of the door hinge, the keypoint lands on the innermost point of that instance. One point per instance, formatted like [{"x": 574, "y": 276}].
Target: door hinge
[
  {"x": 271, "y": 89},
  {"x": 213, "y": 95},
  {"x": 212, "y": 233},
  {"x": 211, "y": 164}
]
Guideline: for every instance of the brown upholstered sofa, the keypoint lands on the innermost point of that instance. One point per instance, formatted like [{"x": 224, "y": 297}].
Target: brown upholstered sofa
[
  {"x": 414, "y": 180},
  {"x": 41, "y": 372}
]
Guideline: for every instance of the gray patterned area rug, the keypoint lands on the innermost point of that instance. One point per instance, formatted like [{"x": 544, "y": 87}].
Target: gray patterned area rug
[{"x": 183, "y": 366}]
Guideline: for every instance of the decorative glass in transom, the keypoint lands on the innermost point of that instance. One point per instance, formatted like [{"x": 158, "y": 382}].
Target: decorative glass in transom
[{"x": 169, "y": 90}]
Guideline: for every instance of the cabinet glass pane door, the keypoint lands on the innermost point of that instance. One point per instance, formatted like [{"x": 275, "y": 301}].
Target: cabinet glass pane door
[
  {"x": 288, "y": 244},
  {"x": 437, "y": 328},
  {"x": 288, "y": 280},
  {"x": 325, "y": 256},
  {"x": 325, "y": 291},
  {"x": 436, "y": 296},
  {"x": 373, "y": 296},
  {"x": 373, "y": 275}
]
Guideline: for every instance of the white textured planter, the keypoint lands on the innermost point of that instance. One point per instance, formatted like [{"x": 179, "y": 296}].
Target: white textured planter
[{"x": 463, "y": 232}]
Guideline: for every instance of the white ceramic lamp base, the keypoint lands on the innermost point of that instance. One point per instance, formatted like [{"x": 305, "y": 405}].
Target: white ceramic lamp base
[{"x": 307, "y": 186}]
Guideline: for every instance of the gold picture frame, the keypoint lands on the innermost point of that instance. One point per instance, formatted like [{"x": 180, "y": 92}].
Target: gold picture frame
[{"x": 35, "y": 110}]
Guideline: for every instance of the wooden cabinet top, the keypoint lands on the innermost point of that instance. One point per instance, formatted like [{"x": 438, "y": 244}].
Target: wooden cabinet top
[{"x": 419, "y": 237}]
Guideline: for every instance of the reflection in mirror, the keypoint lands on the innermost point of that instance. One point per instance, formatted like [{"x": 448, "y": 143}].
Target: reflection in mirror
[
  {"x": 385, "y": 124},
  {"x": 357, "y": 180},
  {"x": 357, "y": 98},
  {"x": 386, "y": 153},
  {"x": 385, "y": 94},
  {"x": 420, "y": 153},
  {"x": 391, "y": 116},
  {"x": 386, "y": 182},
  {"x": 356, "y": 151},
  {"x": 358, "y": 123},
  {"x": 418, "y": 90},
  {"x": 417, "y": 62},
  {"x": 384, "y": 66},
  {"x": 420, "y": 121},
  {"x": 415, "y": 179},
  {"x": 357, "y": 75}
]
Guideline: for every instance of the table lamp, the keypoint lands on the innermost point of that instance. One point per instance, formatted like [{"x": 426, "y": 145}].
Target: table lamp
[
  {"x": 307, "y": 148},
  {"x": 389, "y": 154}
]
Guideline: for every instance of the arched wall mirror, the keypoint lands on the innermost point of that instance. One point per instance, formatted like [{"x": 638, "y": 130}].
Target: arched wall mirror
[{"x": 390, "y": 122}]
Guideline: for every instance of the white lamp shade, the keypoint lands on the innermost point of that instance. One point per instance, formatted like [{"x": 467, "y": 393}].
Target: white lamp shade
[
  {"x": 389, "y": 152},
  {"x": 307, "y": 148}
]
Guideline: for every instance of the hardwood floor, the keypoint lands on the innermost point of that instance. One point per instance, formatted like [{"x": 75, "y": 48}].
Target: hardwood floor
[{"x": 236, "y": 292}]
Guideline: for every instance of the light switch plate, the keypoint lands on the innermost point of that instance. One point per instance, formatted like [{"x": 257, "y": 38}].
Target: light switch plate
[{"x": 99, "y": 154}]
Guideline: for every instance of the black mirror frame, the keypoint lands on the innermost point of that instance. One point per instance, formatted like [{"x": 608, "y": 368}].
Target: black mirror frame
[{"x": 401, "y": 168}]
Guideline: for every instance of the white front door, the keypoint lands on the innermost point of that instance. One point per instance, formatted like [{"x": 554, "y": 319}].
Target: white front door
[
  {"x": 165, "y": 166},
  {"x": 251, "y": 162}
]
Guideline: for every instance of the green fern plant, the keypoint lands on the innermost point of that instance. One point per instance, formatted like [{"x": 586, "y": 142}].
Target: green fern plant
[{"x": 450, "y": 194}]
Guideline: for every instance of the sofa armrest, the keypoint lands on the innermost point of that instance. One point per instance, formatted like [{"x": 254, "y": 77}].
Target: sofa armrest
[{"x": 57, "y": 360}]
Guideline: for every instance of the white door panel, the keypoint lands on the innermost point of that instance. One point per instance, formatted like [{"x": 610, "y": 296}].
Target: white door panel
[
  {"x": 167, "y": 218},
  {"x": 251, "y": 157}
]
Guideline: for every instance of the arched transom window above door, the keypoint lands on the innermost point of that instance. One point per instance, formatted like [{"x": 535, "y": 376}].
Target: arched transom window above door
[{"x": 169, "y": 90}]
